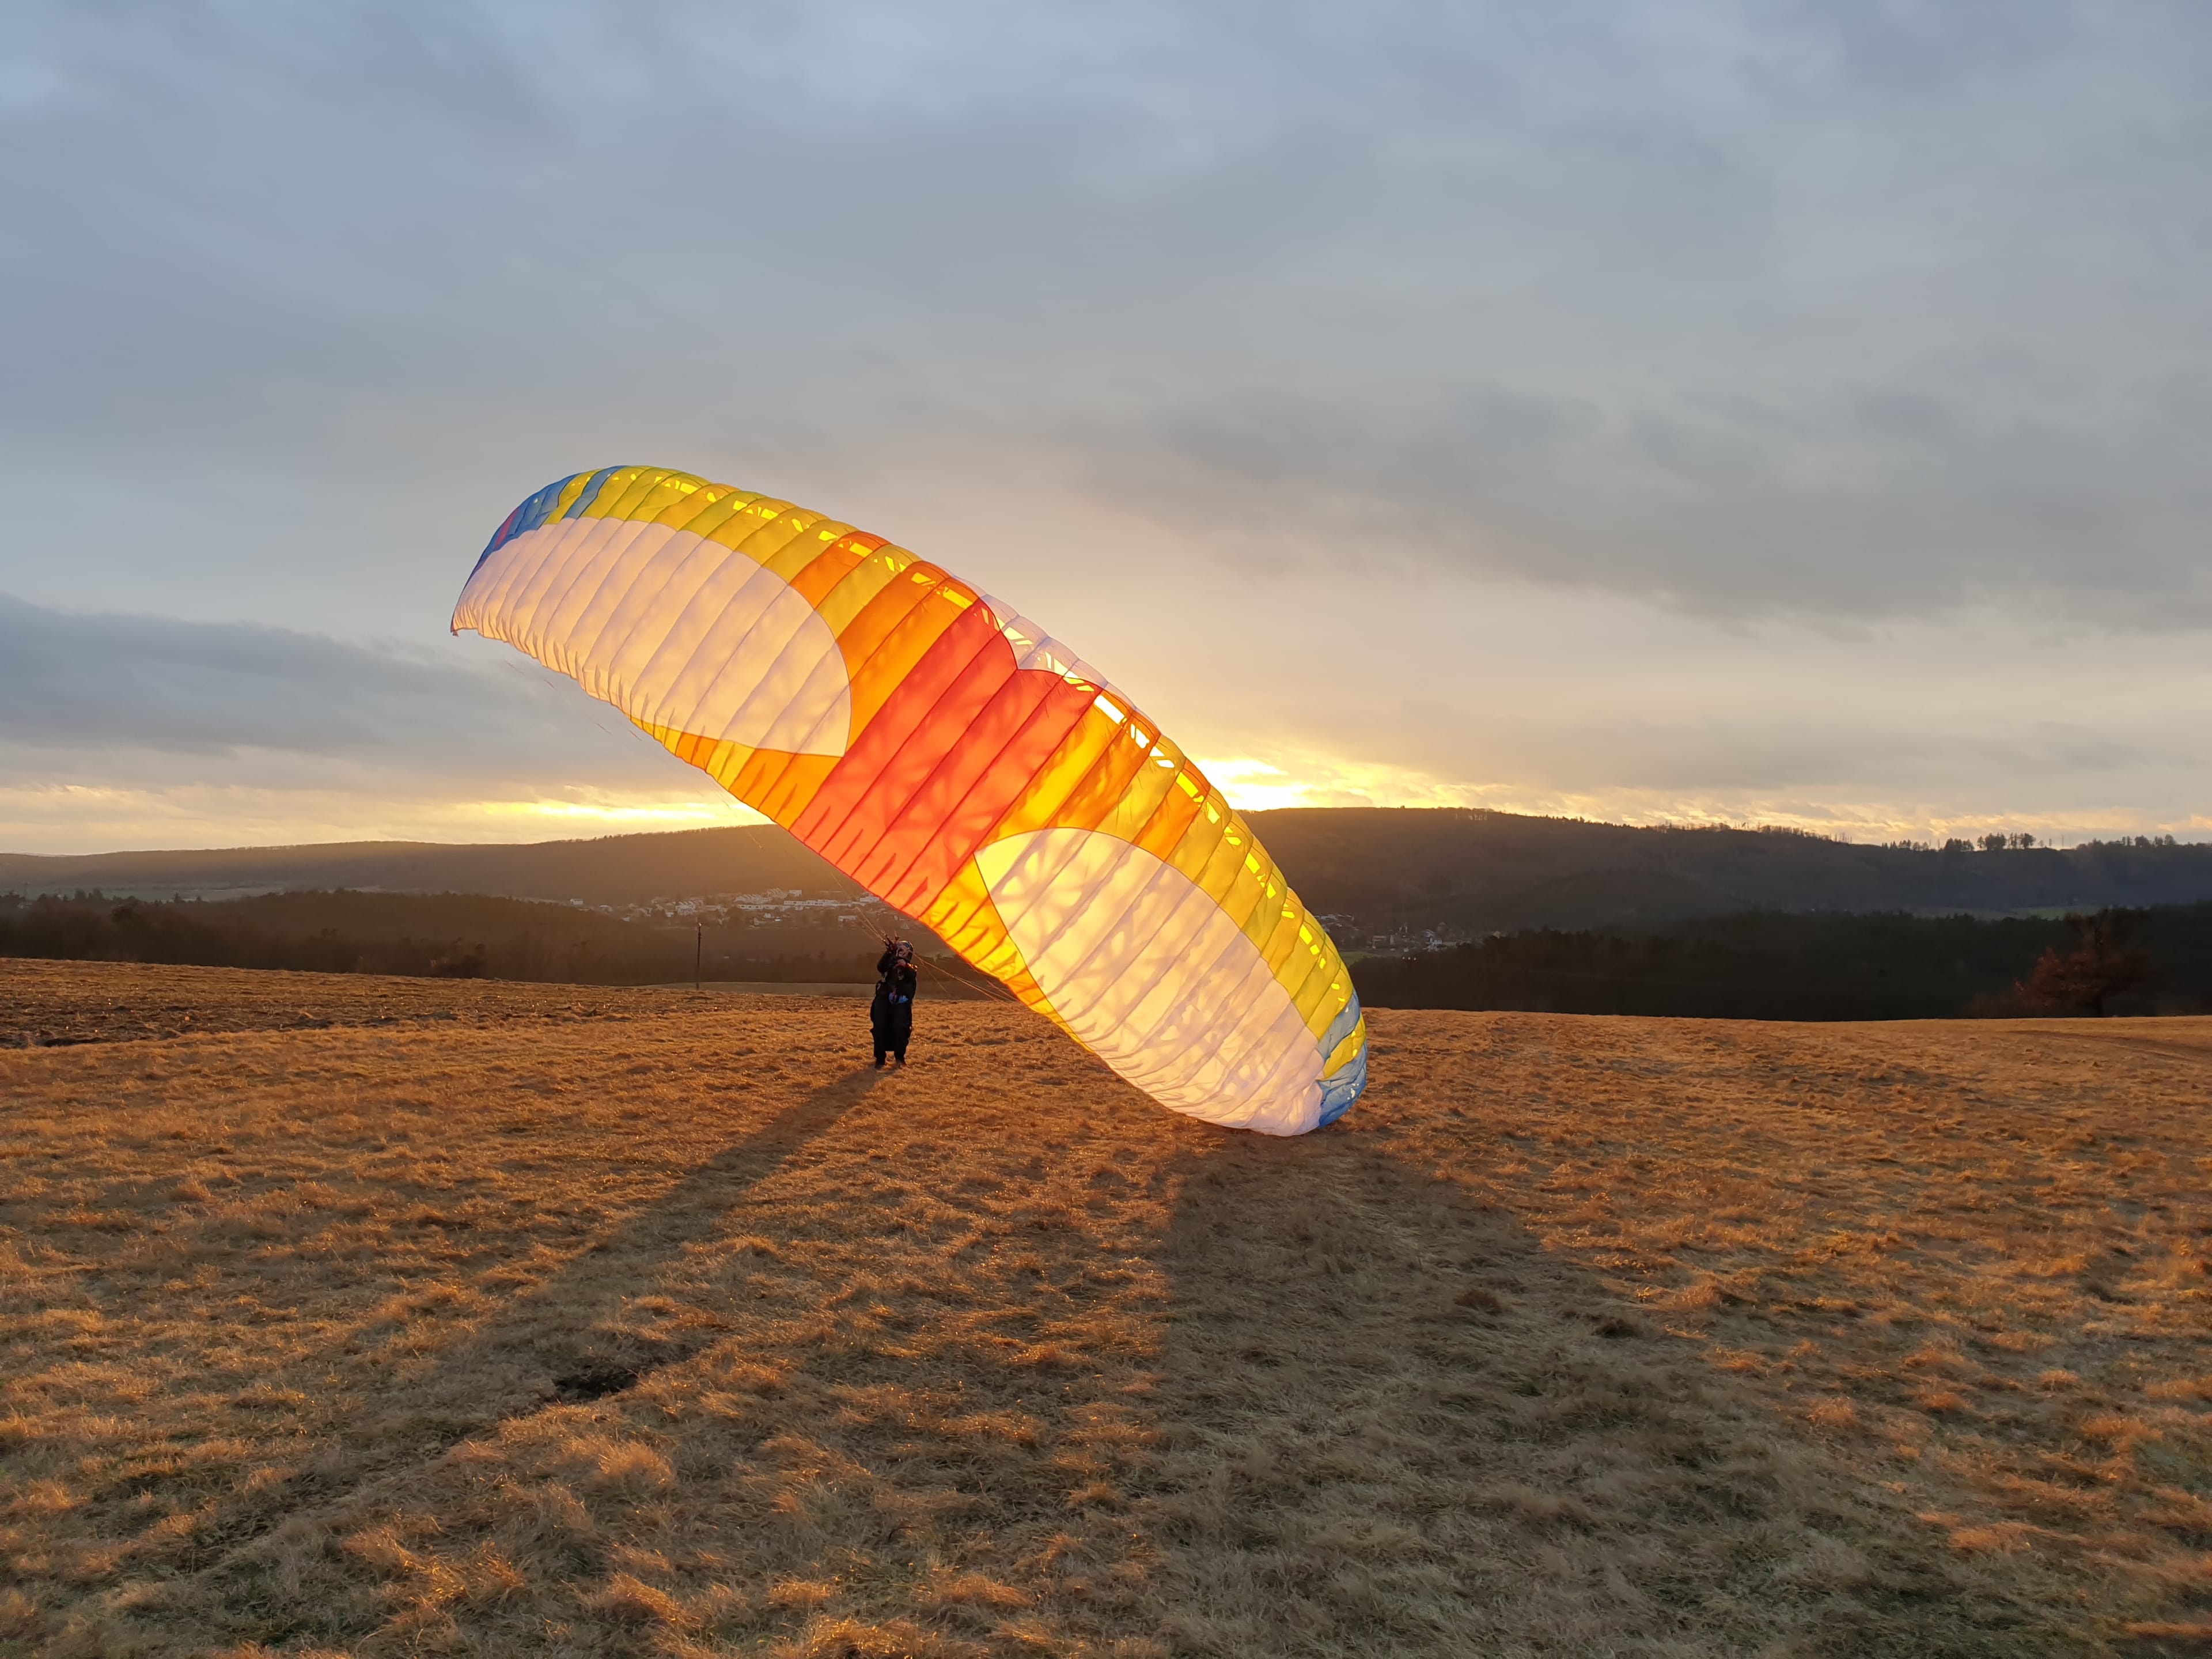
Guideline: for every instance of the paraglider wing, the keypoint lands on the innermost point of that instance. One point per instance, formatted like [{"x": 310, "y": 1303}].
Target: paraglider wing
[{"x": 953, "y": 760}]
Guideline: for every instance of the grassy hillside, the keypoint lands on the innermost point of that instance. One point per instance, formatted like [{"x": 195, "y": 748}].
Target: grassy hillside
[{"x": 489, "y": 1320}]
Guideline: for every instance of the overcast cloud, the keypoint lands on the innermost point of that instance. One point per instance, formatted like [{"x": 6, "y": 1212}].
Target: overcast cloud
[
  {"x": 1679, "y": 334},
  {"x": 126, "y": 730},
  {"x": 200, "y": 692}
]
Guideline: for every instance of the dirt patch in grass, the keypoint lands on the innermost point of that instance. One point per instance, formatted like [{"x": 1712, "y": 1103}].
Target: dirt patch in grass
[{"x": 675, "y": 1329}]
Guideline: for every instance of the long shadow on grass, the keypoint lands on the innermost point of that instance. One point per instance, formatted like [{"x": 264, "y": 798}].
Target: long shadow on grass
[
  {"x": 1397, "y": 1424},
  {"x": 562, "y": 1340}
]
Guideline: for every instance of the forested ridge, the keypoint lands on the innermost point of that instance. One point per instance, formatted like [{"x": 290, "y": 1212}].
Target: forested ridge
[
  {"x": 1775, "y": 965},
  {"x": 1469, "y": 873},
  {"x": 1757, "y": 965},
  {"x": 1460, "y": 872},
  {"x": 460, "y": 936}
]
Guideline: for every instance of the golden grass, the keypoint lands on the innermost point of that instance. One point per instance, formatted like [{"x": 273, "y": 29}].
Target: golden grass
[{"x": 616, "y": 1323}]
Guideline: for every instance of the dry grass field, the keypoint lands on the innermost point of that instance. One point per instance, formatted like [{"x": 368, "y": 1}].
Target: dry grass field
[{"x": 347, "y": 1317}]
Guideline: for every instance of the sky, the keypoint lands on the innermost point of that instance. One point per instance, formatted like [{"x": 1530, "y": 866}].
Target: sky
[{"x": 1754, "y": 413}]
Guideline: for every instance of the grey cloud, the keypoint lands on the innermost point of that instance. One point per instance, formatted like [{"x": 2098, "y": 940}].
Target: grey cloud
[
  {"x": 150, "y": 698},
  {"x": 1865, "y": 502},
  {"x": 1821, "y": 310},
  {"x": 2038, "y": 762}
]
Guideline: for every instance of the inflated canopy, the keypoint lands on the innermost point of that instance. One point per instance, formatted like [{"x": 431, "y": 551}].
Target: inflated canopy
[{"x": 947, "y": 756}]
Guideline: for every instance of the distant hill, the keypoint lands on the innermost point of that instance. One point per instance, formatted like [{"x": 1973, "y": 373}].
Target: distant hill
[
  {"x": 1390, "y": 872},
  {"x": 465, "y": 936},
  {"x": 617, "y": 870},
  {"x": 1470, "y": 873}
]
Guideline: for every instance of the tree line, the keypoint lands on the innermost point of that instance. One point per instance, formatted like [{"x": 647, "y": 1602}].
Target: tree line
[
  {"x": 1752, "y": 965},
  {"x": 1778, "y": 965},
  {"x": 458, "y": 936}
]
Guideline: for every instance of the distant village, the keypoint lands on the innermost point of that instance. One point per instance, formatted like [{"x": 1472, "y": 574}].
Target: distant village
[
  {"x": 792, "y": 906},
  {"x": 776, "y": 907}
]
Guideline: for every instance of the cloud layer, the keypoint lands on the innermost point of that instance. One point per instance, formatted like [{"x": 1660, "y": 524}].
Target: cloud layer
[
  {"x": 1745, "y": 307},
  {"x": 1794, "y": 316},
  {"x": 133, "y": 731},
  {"x": 126, "y": 730},
  {"x": 196, "y": 692}
]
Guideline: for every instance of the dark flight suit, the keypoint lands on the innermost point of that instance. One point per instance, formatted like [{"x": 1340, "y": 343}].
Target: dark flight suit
[{"x": 890, "y": 1016}]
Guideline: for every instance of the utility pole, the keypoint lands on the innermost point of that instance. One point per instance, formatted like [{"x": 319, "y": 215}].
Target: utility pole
[{"x": 698, "y": 952}]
